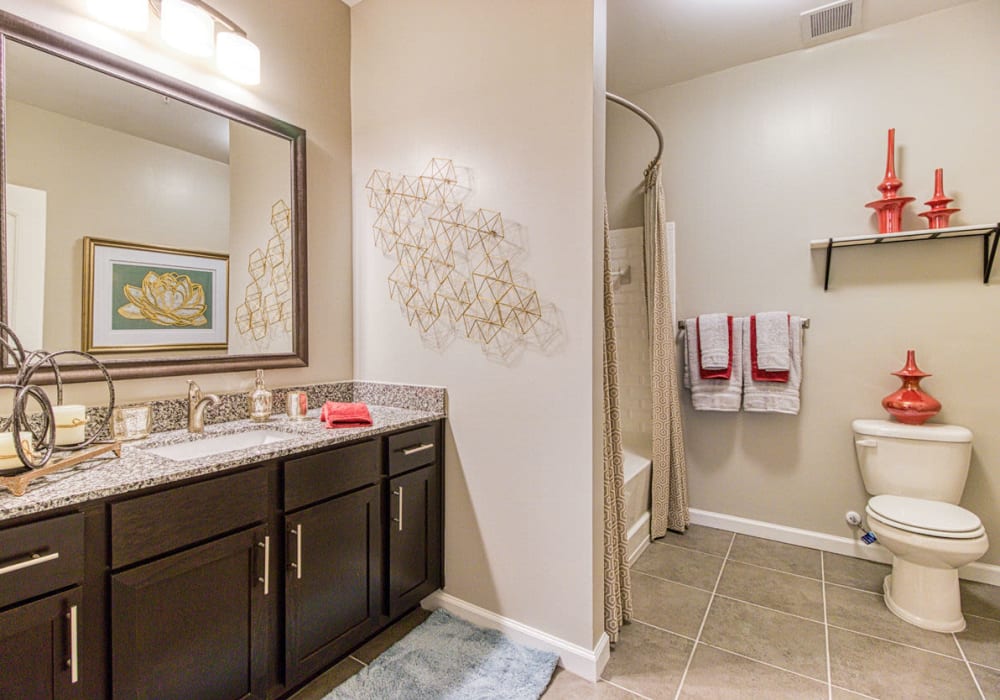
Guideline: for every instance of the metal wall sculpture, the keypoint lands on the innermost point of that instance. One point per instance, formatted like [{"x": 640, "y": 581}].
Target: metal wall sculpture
[
  {"x": 453, "y": 273},
  {"x": 267, "y": 301}
]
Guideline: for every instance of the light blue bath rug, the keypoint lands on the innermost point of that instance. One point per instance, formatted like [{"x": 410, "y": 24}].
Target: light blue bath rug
[{"x": 448, "y": 658}]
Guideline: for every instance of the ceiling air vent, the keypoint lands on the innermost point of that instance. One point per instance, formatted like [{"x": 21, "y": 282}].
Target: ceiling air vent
[{"x": 831, "y": 21}]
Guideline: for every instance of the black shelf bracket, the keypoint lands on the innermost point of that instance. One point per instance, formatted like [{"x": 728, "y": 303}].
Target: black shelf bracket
[
  {"x": 990, "y": 252},
  {"x": 829, "y": 255}
]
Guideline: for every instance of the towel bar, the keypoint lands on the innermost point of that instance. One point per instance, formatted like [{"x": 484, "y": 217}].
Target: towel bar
[{"x": 805, "y": 323}]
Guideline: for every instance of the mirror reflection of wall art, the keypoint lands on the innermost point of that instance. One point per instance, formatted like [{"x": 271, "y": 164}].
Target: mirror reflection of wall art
[
  {"x": 142, "y": 297},
  {"x": 454, "y": 274},
  {"x": 266, "y": 310}
]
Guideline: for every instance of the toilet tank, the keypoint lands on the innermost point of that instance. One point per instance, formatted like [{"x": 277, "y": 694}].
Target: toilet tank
[{"x": 922, "y": 461}]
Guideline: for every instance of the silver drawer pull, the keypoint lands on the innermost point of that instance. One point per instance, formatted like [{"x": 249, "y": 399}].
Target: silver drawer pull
[
  {"x": 73, "y": 661},
  {"x": 399, "y": 520},
  {"x": 417, "y": 448},
  {"x": 297, "y": 564},
  {"x": 35, "y": 560},
  {"x": 266, "y": 544}
]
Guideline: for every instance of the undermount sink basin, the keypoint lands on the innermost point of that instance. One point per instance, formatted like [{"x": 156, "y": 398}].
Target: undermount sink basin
[{"x": 195, "y": 449}]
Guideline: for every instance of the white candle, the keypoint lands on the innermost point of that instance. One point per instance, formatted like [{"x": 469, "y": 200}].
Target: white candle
[
  {"x": 8, "y": 455},
  {"x": 71, "y": 424}
]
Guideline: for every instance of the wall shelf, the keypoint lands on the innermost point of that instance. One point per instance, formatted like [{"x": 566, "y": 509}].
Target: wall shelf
[{"x": 990, "y": 233}]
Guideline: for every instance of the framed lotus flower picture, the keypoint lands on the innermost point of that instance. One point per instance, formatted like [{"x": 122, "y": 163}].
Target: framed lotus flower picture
[{"x": 139, "y": 297}]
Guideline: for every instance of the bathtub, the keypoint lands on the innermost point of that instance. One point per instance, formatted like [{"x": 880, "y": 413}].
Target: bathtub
[{"x": 638, "y": 477}]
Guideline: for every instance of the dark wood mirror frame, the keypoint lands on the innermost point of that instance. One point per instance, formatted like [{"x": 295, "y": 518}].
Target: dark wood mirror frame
[{"x": 15, "y": 28}]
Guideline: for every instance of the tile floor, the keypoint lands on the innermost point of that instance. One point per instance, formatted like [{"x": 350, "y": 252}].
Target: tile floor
[{"x": 722, "y": 615}]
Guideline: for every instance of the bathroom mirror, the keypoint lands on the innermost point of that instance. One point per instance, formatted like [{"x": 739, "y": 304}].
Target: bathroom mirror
[{"x": 149, "y": 222}]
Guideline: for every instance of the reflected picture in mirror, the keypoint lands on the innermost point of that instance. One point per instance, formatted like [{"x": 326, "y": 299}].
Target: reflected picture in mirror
[{"x": 115, "y": 152}]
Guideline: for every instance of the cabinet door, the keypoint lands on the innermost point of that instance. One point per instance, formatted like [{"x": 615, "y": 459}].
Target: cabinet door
[
  {"x": 333, "y": 584},
  {"x": 192, "y": 625},
  {"x": 414, "y": 538},
  {"x": 39, "y": 655}
]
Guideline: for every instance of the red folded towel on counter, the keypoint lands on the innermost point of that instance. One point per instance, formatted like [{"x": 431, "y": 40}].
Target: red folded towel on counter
[
  {"x": 345, "y": 415},
  {"x": 762, "y": 375},
  {"x": 715, "y": 373}
]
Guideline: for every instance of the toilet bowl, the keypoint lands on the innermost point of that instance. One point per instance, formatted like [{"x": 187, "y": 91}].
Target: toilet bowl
[
  {"x": 916, "y": 475},
  {"x": 929, "y": 541}
]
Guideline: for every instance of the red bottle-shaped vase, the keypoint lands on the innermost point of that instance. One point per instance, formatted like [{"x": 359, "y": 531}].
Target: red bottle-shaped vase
[{"x": 910, "y": 404}]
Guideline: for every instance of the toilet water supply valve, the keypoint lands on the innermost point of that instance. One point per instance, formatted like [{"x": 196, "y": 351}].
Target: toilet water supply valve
[{"x": 854, "y": 520}]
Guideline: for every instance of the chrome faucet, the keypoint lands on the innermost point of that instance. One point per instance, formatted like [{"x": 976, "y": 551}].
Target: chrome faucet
[{"x": 196, "y": 407}]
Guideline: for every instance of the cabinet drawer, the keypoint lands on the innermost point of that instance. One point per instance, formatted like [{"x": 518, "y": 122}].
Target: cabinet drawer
[
  {"x": 40, "y": 557},
  {"x": 160, "y": 522},
  {"x": 412, "y": 449},
  {"x": 319, "y": 476}
]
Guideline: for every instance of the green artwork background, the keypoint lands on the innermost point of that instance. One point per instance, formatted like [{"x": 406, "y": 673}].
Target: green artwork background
[{"x": 122, "y": 274}]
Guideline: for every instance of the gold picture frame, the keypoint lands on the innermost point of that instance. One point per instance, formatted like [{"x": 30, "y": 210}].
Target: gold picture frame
[{"x": 141, "y": 297}]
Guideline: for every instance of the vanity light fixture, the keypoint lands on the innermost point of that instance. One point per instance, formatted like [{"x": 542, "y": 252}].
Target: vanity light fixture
[
  {"x": 190, "y": 26},
  {"x": 131, "y": 15},
  {"x": 187, "y": 27}
]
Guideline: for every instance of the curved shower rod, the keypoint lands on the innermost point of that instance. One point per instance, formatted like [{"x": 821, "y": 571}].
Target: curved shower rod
[{"x": 642, "y": 113}]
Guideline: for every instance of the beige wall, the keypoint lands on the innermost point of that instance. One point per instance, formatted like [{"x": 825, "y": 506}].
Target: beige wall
[
  {"x": 257, "y": 182},
  {"x": 113, "y": 181},
  {"x": 305, "y": 56},
  {"x": 506, "y": 90},
  {"x": 763, "y": 158}
]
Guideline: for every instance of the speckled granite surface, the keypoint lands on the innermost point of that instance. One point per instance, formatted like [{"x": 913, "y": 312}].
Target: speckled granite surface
[
  {"x": 171, "y": 414},
  {"x": 138, "y": 469}
]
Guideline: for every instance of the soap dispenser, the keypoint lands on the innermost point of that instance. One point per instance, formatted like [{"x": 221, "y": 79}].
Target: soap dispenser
[{"x": 260, "y": 400}]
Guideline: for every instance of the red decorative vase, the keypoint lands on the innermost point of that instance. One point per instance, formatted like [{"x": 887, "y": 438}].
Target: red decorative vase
[
  {"x": 910, "y": 404},
  {"x": 939, "y": 213},
  {"x": 890, "y": 208}
]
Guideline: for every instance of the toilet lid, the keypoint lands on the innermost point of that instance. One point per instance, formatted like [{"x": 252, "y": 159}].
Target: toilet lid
[{"x": 926, "y": 517}]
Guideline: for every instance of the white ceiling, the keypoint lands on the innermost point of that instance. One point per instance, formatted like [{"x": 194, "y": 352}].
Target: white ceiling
[{"x": 652, "y": 43}]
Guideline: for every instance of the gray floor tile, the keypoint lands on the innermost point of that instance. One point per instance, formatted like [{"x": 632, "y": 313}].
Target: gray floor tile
[
  {"x": 669, "y": 605},
  {"x": 648, "y": 661},
  {"x": 981, "y": 599},
  {"x": 765, "y": 635},
  {"x": 718, "y": 674},
  {"x": 566, "y": 686},
  {"x": 390, "y": 636},
  {"x": 866, "y": 613},
  {"x": 681, "y": 565},
  {"x": 860, "y": 663},
  {"x": 329, "y": 680},
  {"x": 989, "y": 681},
  {"x": 854, "y": 572},
  {"x": 841, "y": 694},
  {"x": 776, "y": 555},
  {"x": 773, "y": 589},
  {"x": 981, "y": 641},
  {"x": 701, "y": 538}
]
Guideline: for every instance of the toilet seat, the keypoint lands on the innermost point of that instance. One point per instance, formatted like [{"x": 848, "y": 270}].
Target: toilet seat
[{"x": 925, "y": 517}]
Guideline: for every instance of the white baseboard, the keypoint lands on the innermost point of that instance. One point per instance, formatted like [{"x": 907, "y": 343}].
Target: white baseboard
[
  {"x": 640, "y": 548},
  {"x": 586, "y": 663},
  {"x": 985, "y": 573}
]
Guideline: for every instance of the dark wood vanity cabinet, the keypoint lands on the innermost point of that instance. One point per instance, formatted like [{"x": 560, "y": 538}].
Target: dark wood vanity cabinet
[
  {"x": 333, "y": 556},
  {"x": 191, "y": 623},
  {"x": 239, "y": 585},
  {"x": 414, "y": 540},
  {"x": 41, "y": 609}
]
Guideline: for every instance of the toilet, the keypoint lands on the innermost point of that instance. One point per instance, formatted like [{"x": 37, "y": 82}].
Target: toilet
[{"x": 916, "y": 475}]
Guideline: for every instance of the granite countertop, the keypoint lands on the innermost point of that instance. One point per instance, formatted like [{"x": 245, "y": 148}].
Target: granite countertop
[{"x": 137, "y": 469}]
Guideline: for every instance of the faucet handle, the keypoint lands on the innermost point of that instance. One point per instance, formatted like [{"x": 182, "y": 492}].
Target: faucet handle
[{"x": 194, "y": 391}]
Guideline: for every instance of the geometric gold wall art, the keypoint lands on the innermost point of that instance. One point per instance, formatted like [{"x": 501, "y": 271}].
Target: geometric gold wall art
[
  {"x": 267, "y": 299},
  {"x": 453, "y": 273}
]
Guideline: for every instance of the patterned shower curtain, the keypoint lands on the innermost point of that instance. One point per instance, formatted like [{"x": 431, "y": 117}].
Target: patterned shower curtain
[
  {"x": 617, "y": 582},
  {"x": 670, "y": 493}
]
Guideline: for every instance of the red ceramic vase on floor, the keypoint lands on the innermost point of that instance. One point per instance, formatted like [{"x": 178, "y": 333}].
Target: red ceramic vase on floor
[{"x": 910, "y": 404}]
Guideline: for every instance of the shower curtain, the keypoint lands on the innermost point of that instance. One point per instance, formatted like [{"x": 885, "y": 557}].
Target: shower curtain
[
  {"x": 670, "y": 494},
  {"x": 617, "y": 582}
]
